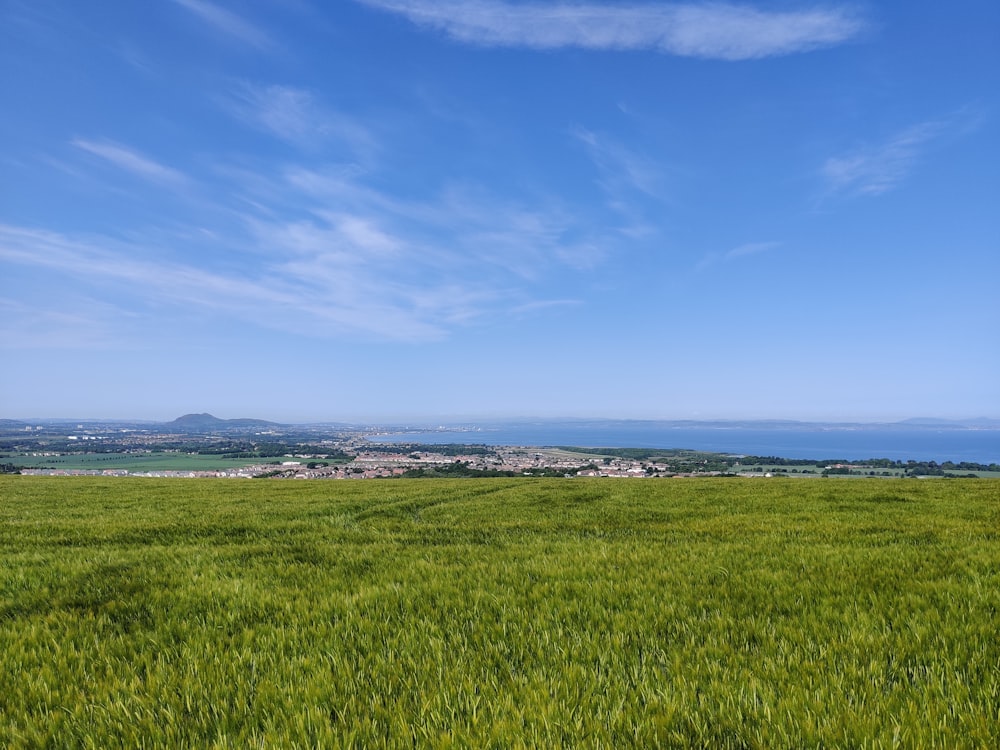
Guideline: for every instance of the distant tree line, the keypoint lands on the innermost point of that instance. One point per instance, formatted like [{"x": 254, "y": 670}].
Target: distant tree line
[{"x": 275, "y": 450}]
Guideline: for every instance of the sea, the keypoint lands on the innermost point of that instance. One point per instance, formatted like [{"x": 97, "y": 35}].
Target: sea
[{"x": 849, "y": 443}]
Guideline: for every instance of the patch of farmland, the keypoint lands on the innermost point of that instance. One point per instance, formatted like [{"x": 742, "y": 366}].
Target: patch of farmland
[{"x": 499, "y": 613}]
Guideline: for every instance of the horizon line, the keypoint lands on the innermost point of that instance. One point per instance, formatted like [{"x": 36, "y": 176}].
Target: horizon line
[{"x": 461, "y": 420}]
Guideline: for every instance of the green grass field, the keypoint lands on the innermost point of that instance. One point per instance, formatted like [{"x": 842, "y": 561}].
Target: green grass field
[
  {"x": 137, "y": 461},
  {"x": 723, "y": 613}
]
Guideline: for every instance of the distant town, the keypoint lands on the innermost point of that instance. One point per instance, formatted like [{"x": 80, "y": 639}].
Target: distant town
[{"x": 200, "y": 445}]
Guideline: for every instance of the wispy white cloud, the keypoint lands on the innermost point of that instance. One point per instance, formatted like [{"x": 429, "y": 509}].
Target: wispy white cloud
[
  {"x": 501, "y": 233},
  {"x": 466, "y": 227},
  {"x": 295, "y": 115},
  {"x": 740, "y": 251},
  {"x": 878, "y": 169},
  {"x": 750, "y": 248},
  {"x": 132, "y": 161},
  {"x": 628, "y": 179},
  {"x": 228, "y": 22},
  {"x": 286, "y": 294},
  {"x": 713, "y": 30},
  {"x": 85, "y": 324},
  {"x": 323, "y": 251},
  {"x": 621, "y": 167},
  {"x": 531, "y": 307},
  {"x": 348, "y": 261}
]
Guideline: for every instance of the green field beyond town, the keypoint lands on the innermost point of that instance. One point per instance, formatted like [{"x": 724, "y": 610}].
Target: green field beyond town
[{"x": 523, "y": 612}]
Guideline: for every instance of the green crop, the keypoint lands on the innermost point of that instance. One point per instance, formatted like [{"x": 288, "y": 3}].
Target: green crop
[{"x": 499, "y": 613}]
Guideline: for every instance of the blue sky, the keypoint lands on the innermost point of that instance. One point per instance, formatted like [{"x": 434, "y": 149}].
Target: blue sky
[{"x": 408, "y": 209}]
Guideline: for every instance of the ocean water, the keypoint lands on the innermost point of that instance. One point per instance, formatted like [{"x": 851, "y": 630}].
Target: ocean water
[{"x": 897, "y": 443}]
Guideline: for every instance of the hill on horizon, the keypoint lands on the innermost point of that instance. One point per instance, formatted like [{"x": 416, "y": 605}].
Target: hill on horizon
[{"x": 206, "y": 421}]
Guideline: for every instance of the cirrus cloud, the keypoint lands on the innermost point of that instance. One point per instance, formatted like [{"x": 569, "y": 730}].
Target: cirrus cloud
[
  {"x": 721, "y": 31},
  {"x": 130, "y": 160},
  {"x": 227, "y": 22},
  {"x": 877, "y": 169}
]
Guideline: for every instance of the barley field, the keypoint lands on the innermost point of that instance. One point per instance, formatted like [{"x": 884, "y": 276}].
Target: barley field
[{"x": 716, "y": 613}]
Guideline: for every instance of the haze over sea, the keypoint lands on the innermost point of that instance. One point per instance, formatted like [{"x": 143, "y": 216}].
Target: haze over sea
[{"x": 853, "y": 442}]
